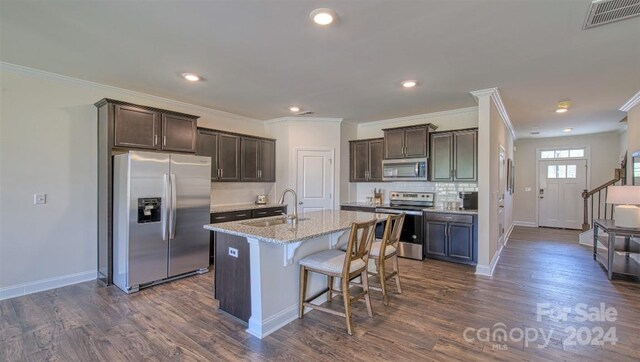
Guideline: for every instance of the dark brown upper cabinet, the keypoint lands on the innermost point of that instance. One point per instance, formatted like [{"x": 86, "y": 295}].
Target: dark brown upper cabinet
[
  {"x": 454, "y": 156},
  {"x": 136, "y": 127},
  {"x": 178, "y": 133},
  {"x": 207, "y": 145},
  {"x": 228, "y": 157},
  {"x": 407, "y": 142},
  {"x": 267, "y": 158},
  {"x": 258, "y": 159},
  {"x": 149, "y": 128},
  {"x": 366, "y": 160},
  {"x": 236, "y": 157}
]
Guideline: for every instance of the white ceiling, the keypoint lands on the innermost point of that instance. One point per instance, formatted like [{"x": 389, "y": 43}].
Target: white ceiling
[{"x": 259, "y": 57}]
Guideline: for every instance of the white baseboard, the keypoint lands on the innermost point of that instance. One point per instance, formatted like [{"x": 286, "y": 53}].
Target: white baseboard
[
  {"x": 46, "y": 284},
  {"x": 529, "y": 224},
  {"x": 508, "y": 233},
  {"x": 278, "y": 320},
  {"x": 487, "y": 270}
]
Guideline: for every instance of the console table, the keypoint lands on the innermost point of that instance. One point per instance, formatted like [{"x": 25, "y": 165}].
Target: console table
[{"x": 623, "y": 266}]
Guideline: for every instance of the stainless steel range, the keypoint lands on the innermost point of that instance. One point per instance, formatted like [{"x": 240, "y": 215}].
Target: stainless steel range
[{"x": 412, "y": 204}]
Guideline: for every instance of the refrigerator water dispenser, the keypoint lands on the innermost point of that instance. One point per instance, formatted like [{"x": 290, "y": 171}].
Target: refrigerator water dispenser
[{"x": 149, "y": 210}]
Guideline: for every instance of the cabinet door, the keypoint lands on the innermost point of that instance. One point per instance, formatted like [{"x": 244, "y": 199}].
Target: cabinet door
[
  {"x": 228, "y": 157},
  {"x": 416, "y": 142},
  {"x": 267, "y": 158},
  {"x": 376, "y": 153},
  {"x": 435, "y": 238},
  {"x": 136, "y": 127},
  {"x": 208, "y": 146},
  {"x": 441, "y": 159},
  {"x": 461, "y": 241},
  {"x": 178, "y": 133},
  {"x": 249, "y": 159},
  {"x": 359, "y": 161},
  {"x": 465, "y": 160},
  {"x": 394, "y": 143}
]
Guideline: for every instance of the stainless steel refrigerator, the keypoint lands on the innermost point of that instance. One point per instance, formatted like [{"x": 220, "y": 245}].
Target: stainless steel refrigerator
[{"x": 161, "y": 202}]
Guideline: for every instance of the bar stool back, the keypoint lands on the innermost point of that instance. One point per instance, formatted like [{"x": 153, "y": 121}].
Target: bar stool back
[
  {"x": 344, "y": 265},
  {"x": 385, "y": 249}
]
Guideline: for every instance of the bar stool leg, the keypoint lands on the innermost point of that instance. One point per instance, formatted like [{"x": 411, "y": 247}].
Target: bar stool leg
[
  {"x": 303, "y": 290},
  {"x": 397, "y": 270},
  {"x": 347, "y": 304},
  {"x": 367, "y": 297},
  {"x": 330, "y": 286},
  {"x": 382, "y": 276}
]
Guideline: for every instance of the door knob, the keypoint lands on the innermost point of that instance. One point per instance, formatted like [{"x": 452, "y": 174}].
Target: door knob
[{"x": 300, "y": 203}]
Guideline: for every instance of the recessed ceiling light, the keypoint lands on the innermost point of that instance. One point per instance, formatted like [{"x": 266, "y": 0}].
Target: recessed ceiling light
[
  {"x": 567, "y": 130},
  {"x": 409, "y": 83},
  {"x": 191, "y": 77},
  {"x": 563, "y": 106},
  {"x": 323, "y": 16},
  {"x": 294, "y": 109}
]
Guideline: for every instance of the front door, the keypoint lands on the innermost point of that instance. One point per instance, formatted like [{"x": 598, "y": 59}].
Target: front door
[
  {"x": 559, "y": 197},
  {"x": 314, "y": 180}
]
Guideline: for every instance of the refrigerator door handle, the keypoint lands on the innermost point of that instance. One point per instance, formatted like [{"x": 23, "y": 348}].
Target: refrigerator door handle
[
  {"x": 174, "y": 208},
  {"x": 166, "y": 206}
]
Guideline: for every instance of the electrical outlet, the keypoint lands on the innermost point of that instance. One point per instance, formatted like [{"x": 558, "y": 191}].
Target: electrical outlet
[
  {"x": 39, "y": 199},
  {"x": 233, "y": 252}
]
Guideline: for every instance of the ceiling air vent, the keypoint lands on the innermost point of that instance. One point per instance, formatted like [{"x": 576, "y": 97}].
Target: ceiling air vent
[{"x": 607, "y": 11}]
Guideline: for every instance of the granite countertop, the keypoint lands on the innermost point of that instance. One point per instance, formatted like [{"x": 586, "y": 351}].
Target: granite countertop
[
  {"x": 318, "y": 223},
  {"x": 457, "y": 211},
  {"x": 363, "y": 204},
  {"x": 242, "y": 207}
]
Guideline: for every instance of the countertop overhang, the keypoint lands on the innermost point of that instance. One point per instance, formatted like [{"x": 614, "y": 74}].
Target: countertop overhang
[{"x": 318, "y": 223}]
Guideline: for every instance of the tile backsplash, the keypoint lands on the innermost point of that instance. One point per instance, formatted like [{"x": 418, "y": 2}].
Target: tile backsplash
[
  {"x": 444, "y": 191},
  {"x": 229, "y": 193}
]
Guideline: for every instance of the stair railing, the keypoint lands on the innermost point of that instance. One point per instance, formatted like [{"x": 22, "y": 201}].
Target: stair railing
[{"x": 599, "y": 207}]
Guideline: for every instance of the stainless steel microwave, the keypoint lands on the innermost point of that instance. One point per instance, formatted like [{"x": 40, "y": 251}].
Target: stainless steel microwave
[{"x": 408, "y": 169}]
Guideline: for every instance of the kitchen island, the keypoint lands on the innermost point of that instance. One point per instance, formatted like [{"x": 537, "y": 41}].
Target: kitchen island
[{"x": 266, "y": 295}]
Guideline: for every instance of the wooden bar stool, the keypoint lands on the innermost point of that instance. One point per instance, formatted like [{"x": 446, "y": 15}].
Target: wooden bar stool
[
  {"x": 385, "y": 249},
  {"x": 343, "y": 265}
]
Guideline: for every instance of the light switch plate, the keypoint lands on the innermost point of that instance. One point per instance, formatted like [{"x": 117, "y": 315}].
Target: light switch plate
[
  {"x": 39, "y": 199},
  {"x": 527, "y": 189},
  {"x": 233, "y": 252}
]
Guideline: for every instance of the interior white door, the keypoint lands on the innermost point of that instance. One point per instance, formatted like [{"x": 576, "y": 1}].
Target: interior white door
[
  {"x": 559, "y": 197},
  {"x": 314, "y": 180},
  {"x": 502, "y": 190}
]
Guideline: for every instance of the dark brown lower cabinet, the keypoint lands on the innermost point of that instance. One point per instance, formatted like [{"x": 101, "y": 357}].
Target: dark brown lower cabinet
[
  {"x": 451, "y": 237},
  {"x": 232, "y": 275}
]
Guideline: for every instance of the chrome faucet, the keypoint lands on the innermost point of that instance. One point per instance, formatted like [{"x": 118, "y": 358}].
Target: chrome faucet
[{"x": 291, "y": 219}]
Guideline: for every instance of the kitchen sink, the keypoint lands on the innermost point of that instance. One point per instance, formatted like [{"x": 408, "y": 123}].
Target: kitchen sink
[{"x": 270, "y": 222}]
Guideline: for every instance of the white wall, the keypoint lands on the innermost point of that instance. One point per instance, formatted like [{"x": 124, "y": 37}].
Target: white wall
[
  {"x": 348, "y": 190},
  {"x": 492, "y": 133},
  {"x": 48, "y": 145},
  {"x": 447, "y": 120},
  {"x": 294, "y": 133},
  {"x": 605, "y": 157}
]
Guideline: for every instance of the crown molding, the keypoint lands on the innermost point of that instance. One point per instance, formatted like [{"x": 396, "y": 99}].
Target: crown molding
[
  {"x": 303, "y": 119},
  {"x": 41, "y": 74},
  {"x": 635, "y": 100},
  {"x": 416, "y": 117},
  {"x": 502, "y": 110}
]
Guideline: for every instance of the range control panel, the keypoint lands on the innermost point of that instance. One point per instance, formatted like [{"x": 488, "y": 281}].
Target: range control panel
[{"x": 412, "y": 196}]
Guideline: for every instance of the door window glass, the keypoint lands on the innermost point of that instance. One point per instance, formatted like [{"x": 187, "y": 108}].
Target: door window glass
[
  {"x": 547, "y": 154},
  {"x": 563, "y": 153},
  {"x": 551, "y": 171},
  {"x": 576, "y": 153},
  {"x": 572, "y": 171},
  {"x": 562, "y": 171}
]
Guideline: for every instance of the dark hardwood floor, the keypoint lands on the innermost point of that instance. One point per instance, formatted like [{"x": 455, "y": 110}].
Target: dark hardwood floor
[{"x": 179, "y": 321}]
